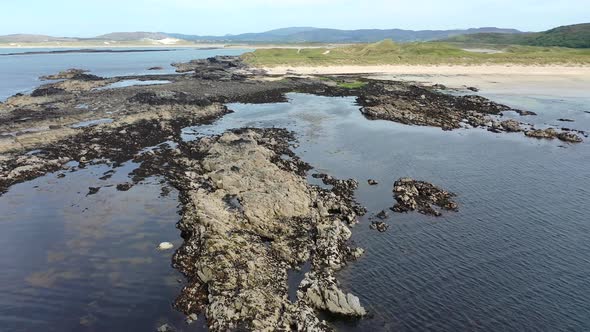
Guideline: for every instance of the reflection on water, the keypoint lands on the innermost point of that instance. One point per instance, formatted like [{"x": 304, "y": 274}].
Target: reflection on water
[
  {"x": 72, "y": 262},
  {"x": 515, "y": 257},
  {"x": 126, "y": 83}
]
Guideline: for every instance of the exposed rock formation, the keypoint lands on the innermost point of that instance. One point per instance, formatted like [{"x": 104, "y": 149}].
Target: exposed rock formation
[
  {"x": 551, "y": 133},
  {"x": 412, "y": 195},
  {"x": 72, "y": 74},
  {"x": 411, "y": 104},
  {"x": 220, "y": 68},
  {"x": 237, "y": 255}
]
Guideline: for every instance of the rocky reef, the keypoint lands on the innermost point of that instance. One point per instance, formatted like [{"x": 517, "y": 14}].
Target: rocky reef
[
  {"x": 550, "y": 133},
  {"x": 424, "y": 197},
  {"x": 219, "y": 68},
  {"x": 428, "y": 106},
  {"x": 417, "y": 105},
  {"x": 247, "y": 221}
]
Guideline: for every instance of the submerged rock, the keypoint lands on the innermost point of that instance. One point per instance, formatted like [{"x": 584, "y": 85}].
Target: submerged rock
[
  {"x": 166, "y": 328},
  {"x": 412, "y": 195}
]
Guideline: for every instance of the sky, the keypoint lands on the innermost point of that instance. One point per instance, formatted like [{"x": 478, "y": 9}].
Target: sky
[{"x": 88, "y": 18}]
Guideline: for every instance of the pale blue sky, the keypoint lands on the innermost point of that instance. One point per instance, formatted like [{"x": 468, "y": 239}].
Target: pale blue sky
[{"x": 87, "y": 18}]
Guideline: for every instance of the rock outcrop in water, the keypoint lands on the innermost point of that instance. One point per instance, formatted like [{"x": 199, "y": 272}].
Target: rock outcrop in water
[
  {"x": 551, "y": 133},
  {"x": 416, "y": 105},
  {"x": 219, "y": 68},
  {"x": 237, "y": 259},
  {"x": 424, "y": 197}
]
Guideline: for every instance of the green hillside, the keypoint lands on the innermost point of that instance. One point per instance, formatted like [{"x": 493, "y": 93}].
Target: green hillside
[
  {"x": 573, "y": 36},
  {"x": 389, "y": 52}
]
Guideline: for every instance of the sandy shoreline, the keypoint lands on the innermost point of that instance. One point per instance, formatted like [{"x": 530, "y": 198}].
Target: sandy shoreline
[
  {"x": 434, "y": 70},
  {"x": 554, "y": 80}
]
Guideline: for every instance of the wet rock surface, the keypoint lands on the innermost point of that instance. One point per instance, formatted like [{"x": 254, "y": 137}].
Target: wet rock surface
[
  {"x": 221, "y": 68},
  {"x": 237, "y": 260},
  {"x": 424, "y": 197},
  {"x": 428, "y": 106},
  {"x": 417, "y": 105},
  {"x": 550, "y": 133}
]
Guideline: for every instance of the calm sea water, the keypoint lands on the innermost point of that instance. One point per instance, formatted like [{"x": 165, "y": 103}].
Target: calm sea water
[
  {"x": 20, "y": 73},
  {"x": 516, "y": 257}
]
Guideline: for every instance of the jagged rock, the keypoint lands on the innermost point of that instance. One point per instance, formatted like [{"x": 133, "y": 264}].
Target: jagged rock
[
  {"x": 511, "y": 125},
  {"x": 124, "y": 186},
  {"x": 548, "y": 133},
  {"x": 414, "y": 195},
  {"x": 415, "y": 105},
  {"x": 551, "y": 133},
  {"x": 569, "y": 137},
  {"x": 72, "y": 74},
  {"x": 380, "y": 226},
  {"x": 326, "y": 295},
  {"x": 237, "y": 259}
]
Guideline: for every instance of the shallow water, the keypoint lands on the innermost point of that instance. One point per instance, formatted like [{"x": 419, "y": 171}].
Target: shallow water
[
  {"x": 20, "y": 73},
  {"x": 78, "y": 262},
  {"x": 126, "y": 83}
]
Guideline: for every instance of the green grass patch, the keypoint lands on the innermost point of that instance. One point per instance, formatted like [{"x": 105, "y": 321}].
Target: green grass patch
[
  {"x": 352, "y": 85},
  {"x": 424, "y": 53}
]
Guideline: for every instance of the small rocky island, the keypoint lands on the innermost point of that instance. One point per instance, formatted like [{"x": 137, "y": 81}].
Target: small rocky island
[{"x": 424, "y": 197}]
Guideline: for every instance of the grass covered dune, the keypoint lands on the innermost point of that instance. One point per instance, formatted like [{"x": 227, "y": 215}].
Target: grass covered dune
[{"x": 388, "y": 52}]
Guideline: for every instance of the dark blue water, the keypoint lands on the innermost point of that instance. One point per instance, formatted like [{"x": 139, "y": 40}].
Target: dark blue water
[
  {"x": 516, "y": 257},
  {"x": 20, "y": 73}
]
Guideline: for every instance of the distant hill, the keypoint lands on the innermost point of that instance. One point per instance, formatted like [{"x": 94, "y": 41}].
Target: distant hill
[
  {"x": 132, "y": 36},
  {"x": 319, "y": 35},
  {"x": 573, "y": 36},
  {"x": 24, "y": 38}
]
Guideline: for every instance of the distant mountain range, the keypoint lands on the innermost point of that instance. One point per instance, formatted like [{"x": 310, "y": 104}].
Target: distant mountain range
[
  {"x": 318, "y": 35},
  {"x": 566, "y": 36},
  {"x": 24, "y": 38},
  {"x": 285, "y": 35},
  {"x": 574, "y": 36}
]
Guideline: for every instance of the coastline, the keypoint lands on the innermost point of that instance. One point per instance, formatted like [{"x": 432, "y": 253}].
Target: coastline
[
  {"x": 553, "y": 80},
  {"x": 508, "y": 69}
]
